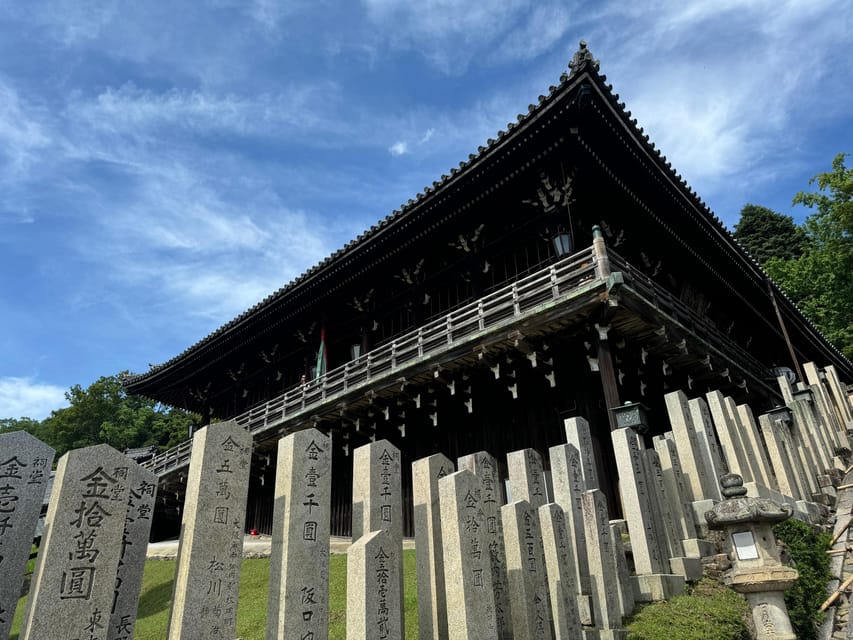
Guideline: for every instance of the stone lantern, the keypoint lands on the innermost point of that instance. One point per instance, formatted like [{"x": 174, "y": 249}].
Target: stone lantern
[
  {"x": 633, "y": 415},
  {"x": 757, "y": 571}
]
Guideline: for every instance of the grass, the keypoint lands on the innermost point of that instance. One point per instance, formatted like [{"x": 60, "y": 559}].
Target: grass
[
  {"x": 709, "y": 612},
  {"x": 153, "y": 615}
]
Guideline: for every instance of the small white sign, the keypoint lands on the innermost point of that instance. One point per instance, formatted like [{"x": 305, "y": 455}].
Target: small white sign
[{"x": 745, "y": 545}]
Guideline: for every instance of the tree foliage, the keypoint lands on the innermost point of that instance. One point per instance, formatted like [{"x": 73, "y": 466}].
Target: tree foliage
[
  {"x": 816, "y": 273},
  {"x": 767, "y": 234},
  {"x": 105, "y": 413}
]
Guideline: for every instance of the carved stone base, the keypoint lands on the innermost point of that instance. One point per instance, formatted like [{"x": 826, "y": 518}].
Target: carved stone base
[{"x": 654, "y": 587}]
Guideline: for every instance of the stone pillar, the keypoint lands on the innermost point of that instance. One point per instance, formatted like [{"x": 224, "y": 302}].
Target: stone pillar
[
  {"x": 526, "y": 479},
  {"x": 432, "y": 601},
  {"x": 804, "y": 417},
  {"x": 697, "y": 462},
  {"x": 785, "y": 388},
  {"x": 373, "y": 594},
  {"x": 733, "y": 445},
  {"x": 377, "y": 503},
  {"x": 839, "y": 396},
  {"x": 579, "y": 436},
  {"x": 298, "y": 600},
  {"x": 636, "y": 504},
  {"x": 567, "y": 480},
  {"x": 485, "y": 467},
  {"x": 526, "y": 573},
  {"x": 142, "y": 493},
  {"x": 623, "y": 575},
  {"x": 668, "y": 536},
  {"x": 706, "y": 436},
  {"x": 780, "y": 459},
  {"x": 744, "y": 419},
  {"x": 756, "y": 569},
  {"x": 559, "y": 559},
  {"x": 602, "y": 566},
  {"x": 74, "y": 581},
  {"x": 471, "y": 614},
  {"x": 210, "y": 553},
  {"x": 25, "y": 464}
]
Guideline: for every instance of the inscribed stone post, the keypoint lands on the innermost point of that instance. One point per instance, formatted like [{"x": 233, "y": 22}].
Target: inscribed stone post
[
  {"x": 562, "y": 585},
  {"x": 526, "y": 479},
  {"x": 485, "y": 467},
  {"x": 785, "y": 388},
  {"x": 623, "y": 582},
  {"x": 708, "y": 441},
  {"x": 804, "y": 449},
  {"x": 743, "y": 418},
  {"x": 298, "y": 605},
  {"x": 676, "y": 492},
  {"x": 578, "y": 435},
  {"x": 668, "y": 535},
  {"x": 210, "y": 553},
  {"x": 526, "y": 573},
  {"x": 567, "y": 480},
  {"x": 142, "y": 492},
  {"x": 602, "y": 566},
  {"x": 377, "y": 502},
  {"x": 828, "y": 417},
  {"x": 839, "y": 394},
  {"x": 471, "y": 614},
  {"x": 373, "y": 593},
  {"x": 780, "y": 460},
  {"x": 697, "y": 465},
  {"x": 25, "y": 464},
  {"x": 807, "y": 423},
  {"x": 734, "y": 447},
  {"x": 432, "y": 601},
  {"x": 636, "y": 503},
  {"x": 74, "y": 581}
]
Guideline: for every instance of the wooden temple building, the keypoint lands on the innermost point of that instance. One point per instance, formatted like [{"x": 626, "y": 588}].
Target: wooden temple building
[{"x": 562, "y": 270}]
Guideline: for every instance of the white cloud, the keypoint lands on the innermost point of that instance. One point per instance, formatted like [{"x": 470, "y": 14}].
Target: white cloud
[
  {"x": 451, "y": 33},
  {"x": 25, "y": 397},
  {"x": 428, "y": 134},
  {"x": 398, "y": 148}
]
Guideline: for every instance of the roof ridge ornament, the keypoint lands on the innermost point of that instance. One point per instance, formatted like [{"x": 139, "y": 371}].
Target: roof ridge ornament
[{"x": 583, "y": 56}]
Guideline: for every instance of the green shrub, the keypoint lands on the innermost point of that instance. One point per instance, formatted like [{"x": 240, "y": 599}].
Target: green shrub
[
  {"x": 808, "y": 553},
  {"x": 709, "y": 611}
]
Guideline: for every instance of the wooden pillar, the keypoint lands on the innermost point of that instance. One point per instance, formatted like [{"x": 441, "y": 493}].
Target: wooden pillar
[{"x": 608, "y": 374}]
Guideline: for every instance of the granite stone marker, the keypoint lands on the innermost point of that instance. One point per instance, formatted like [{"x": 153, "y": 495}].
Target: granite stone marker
[
  {"x": 780, "y": 459},
  {"x": 697, "y": 466},
  {"x": 142, "y": 492},
  {"x": 75, "y": 576},
  {"x": 377, "y": 502},
  {"x": 562, "y": 585},
  {"x": 25, "y": 464},
  {"x": 432, "y": 600},
  {"x": 840, "y": 397},
  {"x": 745, "y": 420},
  {"x": 298, "y": 605},
  {"x": 485, "y": 467},
  {"x": 210, "y": 553},
  {"x": 526, "y": 572},
  {"x": 709, "y": 446},
  {"x": 668, "y": 535},
  {"x": 807, "y": 423},
  {"x": 733, "y": 445},
  {"x": 579, "y": 436},
  {"x": 526, "y": 478},
  {"x": 602, "y": 566},
  {"x": 626, "y": 589},
  {"x": 471, "y": 612},
  {"x": 634, "y": 488},
  {"x": 374, "y": 598},
  {"x": 567, "y": 480},
  {"x": 676, "y": 492}
]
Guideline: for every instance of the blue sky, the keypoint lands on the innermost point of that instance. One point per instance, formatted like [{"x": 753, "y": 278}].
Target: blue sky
[{"x": 164, "y": 166}]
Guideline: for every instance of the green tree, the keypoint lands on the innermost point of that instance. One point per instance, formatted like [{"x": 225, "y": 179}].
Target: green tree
[
  {"x": 819, "y": 280},
  {"x": 105, "y": 413},
  {"x": 767, "y": 234}
]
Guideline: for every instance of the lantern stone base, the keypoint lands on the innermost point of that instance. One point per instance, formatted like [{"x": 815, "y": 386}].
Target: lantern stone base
[{"x": 770, "y": 616}]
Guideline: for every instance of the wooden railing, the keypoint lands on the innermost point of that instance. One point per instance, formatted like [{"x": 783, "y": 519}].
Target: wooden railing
[
  {"x": 698, "y": 323},
  {"x": 503, "y": 307}
]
